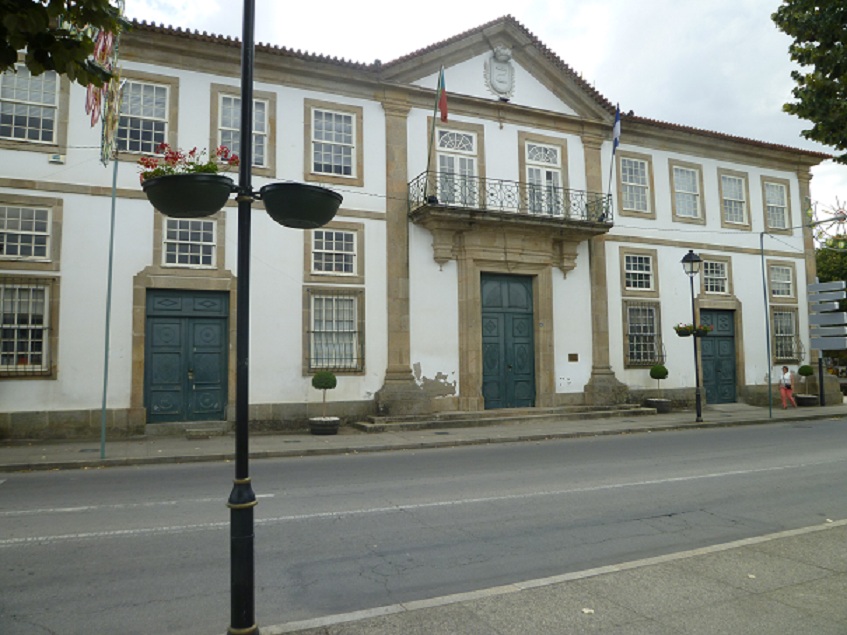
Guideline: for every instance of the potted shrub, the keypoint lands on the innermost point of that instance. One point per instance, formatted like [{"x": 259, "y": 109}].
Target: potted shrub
[
  {"x": 187, "y": 184},
  {"x": 804, "y": 398},
  {"x": 662, "y": 406},
  {"x": 324, "y": 380}
]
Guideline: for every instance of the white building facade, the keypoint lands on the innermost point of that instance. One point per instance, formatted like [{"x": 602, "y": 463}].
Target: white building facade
[{"x": 487, "y": 261}]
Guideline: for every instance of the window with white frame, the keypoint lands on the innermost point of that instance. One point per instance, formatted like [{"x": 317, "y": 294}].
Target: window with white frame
[
  {"x": 776, "y": 205},
  {"x": 335, "y": 341},
  {"x": 635, "y": 184},
  {"x": 544, "y": 179},
  {"x": 334, "y": 252},
  {"x": 457, "y": 167},
  {"x": 643, "y": 343},
  {"x": 29, "y": 105},
  {"x": 25, "y": 327},
  {"x": 333, "y": 142},
  {"x": 686, "y": 191},
  {"x": 189, "y": 243},
  {"x": 638, "y": 272},
  {"x": 782, "y": 281},
  {"x": 734, "y": 199},
  {"x": 24, "y": 233},
  {"x": 715, "y": 277},
  {"x": 229, "y": 127},
  {"x": 785, "y": 341},
  {"x": 143, "y": 124}
]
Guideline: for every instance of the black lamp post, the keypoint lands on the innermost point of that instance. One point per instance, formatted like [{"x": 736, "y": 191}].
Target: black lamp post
[{"x": 691, "y": 264}]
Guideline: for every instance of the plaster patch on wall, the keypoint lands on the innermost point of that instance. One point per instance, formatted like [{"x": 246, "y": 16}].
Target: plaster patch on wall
[{"x": 440, "y": 386}]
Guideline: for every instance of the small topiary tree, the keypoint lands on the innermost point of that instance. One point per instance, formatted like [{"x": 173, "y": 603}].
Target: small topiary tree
[
  {"x": 805, "y": 371},
  {"x": 324, "y": 380},
  {"x": 659, "y": 372}
]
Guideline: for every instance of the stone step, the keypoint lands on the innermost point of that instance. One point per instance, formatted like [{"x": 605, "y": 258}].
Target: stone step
[
  {"x": 188, "y": 429},
  {"x": 497, "y": 417}
]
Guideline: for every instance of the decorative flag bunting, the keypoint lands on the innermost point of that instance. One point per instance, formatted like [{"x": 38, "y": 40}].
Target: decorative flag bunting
[{"x": 442, "y": 96}]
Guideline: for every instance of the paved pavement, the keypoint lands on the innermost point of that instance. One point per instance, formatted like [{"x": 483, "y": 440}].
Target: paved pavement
[{"x": 793, "y": 582}]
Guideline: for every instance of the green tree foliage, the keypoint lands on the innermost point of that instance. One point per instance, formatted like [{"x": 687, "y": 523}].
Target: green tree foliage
[
  {"x": 34, "y": 25},
  {"x": 818, "y": 29}
]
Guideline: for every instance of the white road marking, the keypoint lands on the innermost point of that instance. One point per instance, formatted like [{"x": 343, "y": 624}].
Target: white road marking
[{"x": 116, "y": 506}]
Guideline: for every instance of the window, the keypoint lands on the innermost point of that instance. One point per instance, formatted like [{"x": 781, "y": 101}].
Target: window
[
  {"x": 189, "y": 243},
  {"x": 781, "y": 281},
  {"x": 143, "y": 123},
  {"x": 24, "y": 233},
  {"x": 638, "y": 272},
  {"x": 544, "y": 179},
  {"x": 777, "y": 213},
  {"x": 642, "y": 337},
  {"x": 457, "y": 171},
  {"x": 25, "y": 330},
  {"x": 786, "y": 345},
  {"x": 635, "y": 187},
  {"x": 229, "y": 131},
  {"x": 334, "y": 146},
  {"x": 335, "y": 341},
  {"x": 334, "y": 252},
  {"x": 733, "y": 188},
  {"x": 29, "y": 105},
  {"x": 715, "y": 277},
  {"x": 686, "y": 181}
]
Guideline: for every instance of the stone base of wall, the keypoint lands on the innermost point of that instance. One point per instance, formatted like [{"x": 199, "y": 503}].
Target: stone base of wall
[
  {"x": 681, "y": 398},
  {"x": 71, "y": 424}
]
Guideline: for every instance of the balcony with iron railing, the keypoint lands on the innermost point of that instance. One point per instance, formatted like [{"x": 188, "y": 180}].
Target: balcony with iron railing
[{"x": 512, "y": 200}]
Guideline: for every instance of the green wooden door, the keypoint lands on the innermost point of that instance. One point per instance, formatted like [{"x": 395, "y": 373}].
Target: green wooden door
[
  {"x": 185, "y": 375},
  {"x": 717, "y": 352},
  {"x": 508, "y": 350}
]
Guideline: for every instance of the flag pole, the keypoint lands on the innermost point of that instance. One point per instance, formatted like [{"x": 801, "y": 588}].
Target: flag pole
[
  {"x": 616, "y": 141},
  {"x": 440, "y": 100}
]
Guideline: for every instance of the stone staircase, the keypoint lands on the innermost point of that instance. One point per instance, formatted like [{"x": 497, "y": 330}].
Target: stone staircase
[{"x": 497, "y": 417}]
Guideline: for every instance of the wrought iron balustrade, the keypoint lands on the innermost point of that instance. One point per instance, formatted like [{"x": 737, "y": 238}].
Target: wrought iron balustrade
[{"x": 499, "y": 195}]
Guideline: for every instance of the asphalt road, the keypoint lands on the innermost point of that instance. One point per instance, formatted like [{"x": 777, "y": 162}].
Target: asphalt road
[{"x": 140, "y": 550}]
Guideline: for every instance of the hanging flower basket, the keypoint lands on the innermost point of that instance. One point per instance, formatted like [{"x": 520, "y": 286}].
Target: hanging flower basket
[
  {"x": 697, "y": 330},
  {"x": 188, "y": 195},
  {"x": 299, "y": 205},
  {"x": 702, "y": 330}
]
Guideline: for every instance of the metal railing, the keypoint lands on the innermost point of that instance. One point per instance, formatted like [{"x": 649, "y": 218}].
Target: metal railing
[{"x": 498, "y": 195}]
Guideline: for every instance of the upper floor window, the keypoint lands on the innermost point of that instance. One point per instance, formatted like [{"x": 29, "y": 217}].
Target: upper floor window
[
  {"x": 635, "y": 185},
  {"x": 29, "y": 105},
  {"x": 334, "y": 151},
  {"x": 229, "y": 127},
  {"x": 733, "y": 188},
  {"x": 334, "y": 252},
  {"x": 544, "y": 179},
  {"x": 189, "y": 243},
  {"x": 781, "y": 281},
  {"x": 457, "y": 167},
  {"x": 143, "y": 124},
  {"x": 638, "y": 272},
  {"x": 24, "y": 233},
  {"x": 686, "y": 183},
  {"x": 715, "y": 276},
  {"x": 776, "y": 204}
]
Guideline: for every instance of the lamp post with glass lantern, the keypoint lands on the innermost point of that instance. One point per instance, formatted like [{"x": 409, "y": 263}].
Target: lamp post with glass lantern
[{"x": 691, "y": 264}]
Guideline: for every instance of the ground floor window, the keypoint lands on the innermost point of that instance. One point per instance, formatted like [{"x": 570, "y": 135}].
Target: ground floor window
[
  {"x": 335, "y": 330},
  {"x": 25, "y": 327},
  {"x": 643, "y": 339}
]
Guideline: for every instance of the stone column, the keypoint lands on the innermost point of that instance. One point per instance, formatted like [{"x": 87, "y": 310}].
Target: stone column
[
  {"x": 603, "y": 387},
  {"x": 400, "y": 394}
]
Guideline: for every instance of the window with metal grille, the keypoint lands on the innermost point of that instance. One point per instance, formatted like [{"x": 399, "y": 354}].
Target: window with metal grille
[
  {"x": 782, "y": 285},
  {"x": 635, "y": 182},
  {"x": 333, "y": 142},
  {"x": 334, "y": 251},
  {"x": 25, "y": 328},
  {"x": 143, "y": 123},
  {"x": 28, "y": 105},
  {"x": 776, "y": 202},
  {"x": 189, "y": 243},
  {"x": 686, "y": 185},
  {"x": 643, "y": 341},
  {"x": 638, "y": 272},
  {"x": 715, "y": 277},
  {"x": 733, "y": 199},
  {"x": 786, "y": 345},
  {"x": 229, "y": 127},
  {"x": 24, "y": 233},
  {"x": 335, "y": 340}
]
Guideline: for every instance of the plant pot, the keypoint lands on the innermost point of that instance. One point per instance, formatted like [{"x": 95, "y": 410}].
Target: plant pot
[
  {"x": 188, "y": 195},
  {"x": 662, "y": 406},
  {"x": 299, "y": 205},
  {"x": 684, "y": 333},
  {"x": 324, "y": 425}
]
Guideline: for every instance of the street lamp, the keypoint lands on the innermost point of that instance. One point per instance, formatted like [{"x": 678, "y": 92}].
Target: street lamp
[{"x": 691, "y": 264}]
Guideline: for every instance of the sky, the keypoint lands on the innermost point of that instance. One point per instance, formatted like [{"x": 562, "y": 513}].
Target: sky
[{"x": 719, "y": 65}]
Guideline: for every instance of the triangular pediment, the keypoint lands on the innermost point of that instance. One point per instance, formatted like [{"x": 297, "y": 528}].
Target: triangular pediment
[{"x": 502, "y": 61}]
